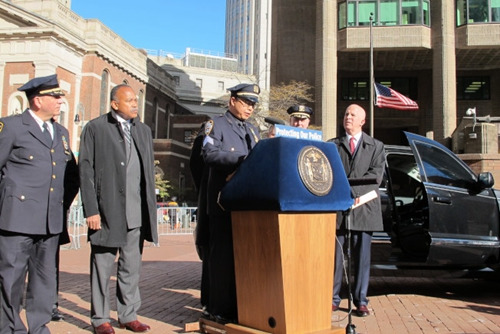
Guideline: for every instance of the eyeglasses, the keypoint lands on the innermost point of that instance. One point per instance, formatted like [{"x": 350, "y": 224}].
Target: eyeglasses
[{"x": 246, "y": 102}]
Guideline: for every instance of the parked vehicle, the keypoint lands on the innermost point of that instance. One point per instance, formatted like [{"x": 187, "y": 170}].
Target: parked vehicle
[{"x": 437, "y": 212}]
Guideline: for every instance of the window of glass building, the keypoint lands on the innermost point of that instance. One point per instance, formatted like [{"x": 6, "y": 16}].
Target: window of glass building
[
  {"x": 389, "y": 14},
  {"x": 386, "y": 12},
  {"x": 355, "y": 89},
  {"x": 473, "y": 88},
  {"x": 365, "y": 10},
  {"x": 477, "y": 11},
  {"x": 358, "y": 89},
  {"x": 495, "y": 10}
]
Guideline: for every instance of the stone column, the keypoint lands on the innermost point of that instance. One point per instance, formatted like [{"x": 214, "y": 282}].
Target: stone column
[
  {"x": 444, "y": 113},
  {"x": 326, "y": 67}
]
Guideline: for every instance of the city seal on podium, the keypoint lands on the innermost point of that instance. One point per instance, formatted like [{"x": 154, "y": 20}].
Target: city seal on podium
[{"x": 315, "y": 170}]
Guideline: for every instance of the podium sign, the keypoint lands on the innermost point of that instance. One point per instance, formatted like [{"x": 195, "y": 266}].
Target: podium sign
[
  {"x": 283, "y": 201},
  {"x": 286, "y": 174}
]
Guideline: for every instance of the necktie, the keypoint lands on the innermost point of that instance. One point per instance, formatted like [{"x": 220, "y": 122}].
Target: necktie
[
  {"x": 352, "y": 146},
  {"x": 47, "y": 133},
  {"x": 126, "y": 133},
  {"x": 248, "y": 140}
]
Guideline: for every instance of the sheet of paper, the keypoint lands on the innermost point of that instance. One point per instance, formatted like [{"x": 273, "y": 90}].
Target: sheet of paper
[{"x": 365, "y": 198}]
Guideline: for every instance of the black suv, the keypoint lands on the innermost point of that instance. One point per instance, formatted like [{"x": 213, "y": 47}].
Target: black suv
[{"x": 437, "y": 211}]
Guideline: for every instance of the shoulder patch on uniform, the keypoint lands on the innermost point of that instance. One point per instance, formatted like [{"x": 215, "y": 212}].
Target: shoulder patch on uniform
[
  {"x": 1, "y": 126},
  {"x": 208, "y": 127}
]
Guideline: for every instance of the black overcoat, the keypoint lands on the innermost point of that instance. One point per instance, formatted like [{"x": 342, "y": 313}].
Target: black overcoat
[
  {"x": 103, "y": 172},
  {"x": 368, "y": 162}
]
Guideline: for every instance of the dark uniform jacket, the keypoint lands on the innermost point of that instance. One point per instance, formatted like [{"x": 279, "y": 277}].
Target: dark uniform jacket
[
  {"x": 32, "y": 176},
  {"x": 368, "y": 163},
  {"x": 199, "y": 173},
  {"x": 103, "y": 171},
  {"x": 224, "y": 148}
]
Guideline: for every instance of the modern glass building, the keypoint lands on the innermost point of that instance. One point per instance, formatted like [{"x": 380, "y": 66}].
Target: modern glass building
[
  {"x": 248, "y": 35},
  {"x": 444, "y": 54}
]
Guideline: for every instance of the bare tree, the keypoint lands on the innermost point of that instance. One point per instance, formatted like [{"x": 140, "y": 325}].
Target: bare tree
[{"x": 279, "y": 99}]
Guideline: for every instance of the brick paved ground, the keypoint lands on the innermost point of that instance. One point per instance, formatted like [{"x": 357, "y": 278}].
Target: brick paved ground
[{"x": 170, "y": 293}]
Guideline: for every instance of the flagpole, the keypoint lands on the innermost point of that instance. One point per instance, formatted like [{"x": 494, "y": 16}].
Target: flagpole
[{"x": 372, "y": 102}]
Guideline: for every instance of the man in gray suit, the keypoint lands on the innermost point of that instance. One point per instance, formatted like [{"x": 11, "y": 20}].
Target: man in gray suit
[
  {"x": 363, "y": 157},
  {"x": 34, "y": 158},
  {"x": 118, "y": 195}
]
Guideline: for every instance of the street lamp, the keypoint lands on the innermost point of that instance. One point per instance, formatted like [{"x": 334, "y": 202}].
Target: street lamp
[
  {"x": 472, "y": 112},
  {"x": 80, "y": 110}
]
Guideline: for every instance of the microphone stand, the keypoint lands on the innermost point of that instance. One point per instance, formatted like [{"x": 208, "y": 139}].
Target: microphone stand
[{"x": 350, "y": 328}]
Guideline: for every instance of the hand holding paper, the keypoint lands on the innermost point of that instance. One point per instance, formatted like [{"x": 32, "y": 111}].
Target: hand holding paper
[{"x": 365, "y": 198}]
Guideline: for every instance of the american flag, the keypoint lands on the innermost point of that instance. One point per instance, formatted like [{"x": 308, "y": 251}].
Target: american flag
[{"x": 386, "y": 97}]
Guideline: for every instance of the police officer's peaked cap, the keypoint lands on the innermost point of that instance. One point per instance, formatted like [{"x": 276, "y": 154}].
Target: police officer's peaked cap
[
  {"x": 300, "y": 111},
  {"x": 246, "y": 91},
  {"x": 42, "y": 86}
]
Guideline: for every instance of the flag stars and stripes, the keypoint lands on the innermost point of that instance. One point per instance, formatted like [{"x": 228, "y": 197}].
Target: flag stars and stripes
[{"x": 386, "y": 97}]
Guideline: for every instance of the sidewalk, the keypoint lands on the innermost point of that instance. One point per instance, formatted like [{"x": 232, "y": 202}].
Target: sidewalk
[{"x": 170, "y": 282}]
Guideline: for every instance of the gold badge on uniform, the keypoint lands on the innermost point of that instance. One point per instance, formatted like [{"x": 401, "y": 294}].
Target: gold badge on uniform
[
  {"x": 208, "y": 127},
  {"x": 1, "y": 126},
  {"x": 65, "y": 145}
]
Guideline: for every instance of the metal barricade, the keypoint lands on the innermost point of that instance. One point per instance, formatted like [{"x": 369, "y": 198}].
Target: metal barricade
[
  {"x": 170, "y": 221},
  {"x": 77, "y": 226},
  {"x": 176, "y": 220}
]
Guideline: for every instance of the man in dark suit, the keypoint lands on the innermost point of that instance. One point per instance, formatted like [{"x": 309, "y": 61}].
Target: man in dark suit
[
  {"x": 228, "y": 140},
  {"x": 118, "y": 195},
  {"x": 363, "y": 157},
  {"x": 34, "y": 158}
]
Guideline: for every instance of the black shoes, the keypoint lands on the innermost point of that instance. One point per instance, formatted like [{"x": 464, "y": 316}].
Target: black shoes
[{"x": 56, "y": 315}]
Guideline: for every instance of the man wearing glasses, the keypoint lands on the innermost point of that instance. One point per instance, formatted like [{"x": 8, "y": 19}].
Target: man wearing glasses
[{"x": 228, "y": 139}]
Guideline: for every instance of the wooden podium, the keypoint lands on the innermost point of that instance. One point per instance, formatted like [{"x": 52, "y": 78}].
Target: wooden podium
[
  {"x": 284, "y": 236},
  {"x": 284, "y": 271}
]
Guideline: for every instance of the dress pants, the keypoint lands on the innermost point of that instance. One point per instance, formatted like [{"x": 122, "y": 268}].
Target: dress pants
[
  {"x": 222, "y": 281},
  {"x": 19, "y": 255},
  {"x": 360, "y": 265},
  {"x": 128, "y": 299}
]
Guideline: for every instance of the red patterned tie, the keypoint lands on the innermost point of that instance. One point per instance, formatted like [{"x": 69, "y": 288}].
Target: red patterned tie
[{"x": 351, "y": 145}]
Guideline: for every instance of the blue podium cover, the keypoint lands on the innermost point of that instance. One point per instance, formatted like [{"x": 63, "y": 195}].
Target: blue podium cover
[{"x": 275, "y": 177}]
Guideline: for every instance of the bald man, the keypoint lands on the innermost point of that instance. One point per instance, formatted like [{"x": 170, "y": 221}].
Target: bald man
[{"x": 363, "y": 157}]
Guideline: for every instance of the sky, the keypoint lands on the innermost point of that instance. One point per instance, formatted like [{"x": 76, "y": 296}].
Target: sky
[{"x": 168, "y": 25}]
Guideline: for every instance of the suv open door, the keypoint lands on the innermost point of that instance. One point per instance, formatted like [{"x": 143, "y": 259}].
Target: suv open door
[{"x": 462, "y": 226}]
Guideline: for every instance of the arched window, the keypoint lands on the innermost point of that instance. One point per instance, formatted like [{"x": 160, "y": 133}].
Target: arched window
[
  {"x": 140, "y": 100},
  {"x": 17, "y": 104},
  {"x": 104, "y": 96},
  {"x": 63, "y": 117},
  {"x": 154, "y": 118}
]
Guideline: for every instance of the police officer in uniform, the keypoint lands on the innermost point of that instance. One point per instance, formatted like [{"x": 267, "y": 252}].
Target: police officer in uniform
[
  {"x": 300, "y": 116},
  {"x": 34, "y": 158},
  {"x": 228, "y": 139}
]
